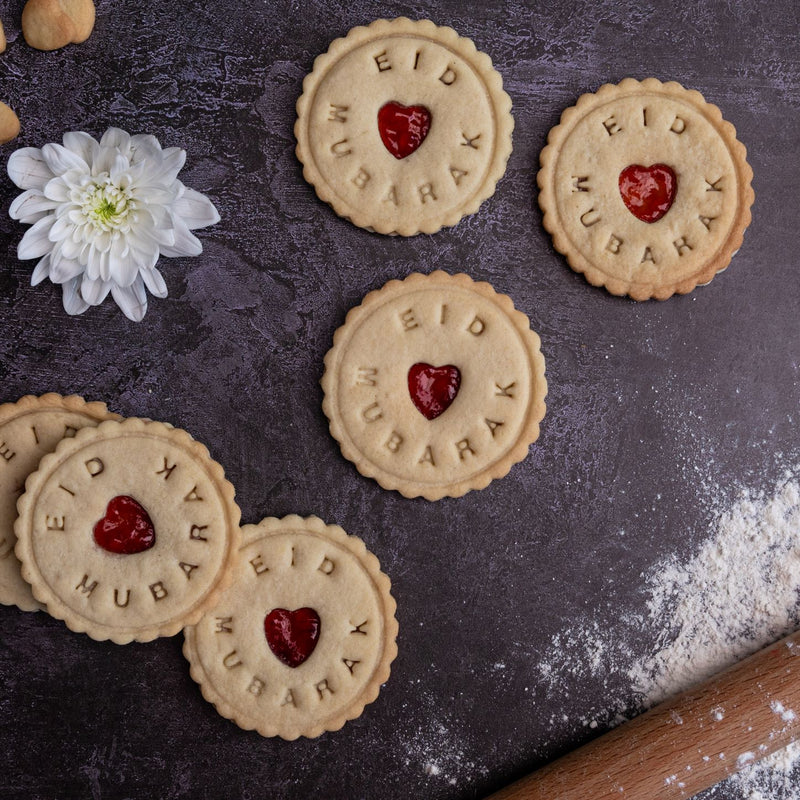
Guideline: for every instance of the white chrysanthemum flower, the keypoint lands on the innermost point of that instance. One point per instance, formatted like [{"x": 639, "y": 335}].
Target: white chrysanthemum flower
[{"x": 102, "y": 213}]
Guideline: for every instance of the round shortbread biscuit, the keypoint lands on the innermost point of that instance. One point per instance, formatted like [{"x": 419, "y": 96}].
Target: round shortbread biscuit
[
  {"x": 303, "y": 638},
  {"x": 128, "y": 531},
  {"x": 29, "y": 429},
  {"x": 435, "y": 385},
  {"x": 645, "y": 188},
  {"x": 403, "y": 127}
]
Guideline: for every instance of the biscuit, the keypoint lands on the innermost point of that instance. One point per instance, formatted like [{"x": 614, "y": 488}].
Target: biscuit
[
  {"x": 645, "y": 188},
  {"x": 403, "y": 127},
  {"x": 29, "y": 429},
  {"x": 435, "y": 385},
  {"x": 303, "y": 638},
  {"x": 128, "y": 531}
]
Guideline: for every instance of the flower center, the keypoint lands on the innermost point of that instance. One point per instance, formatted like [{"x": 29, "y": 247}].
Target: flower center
[
  {"x": 104, "y": 210},
  {"x": 107, "y": 206}
]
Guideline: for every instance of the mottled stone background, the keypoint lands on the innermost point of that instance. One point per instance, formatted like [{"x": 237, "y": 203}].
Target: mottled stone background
[{"x": 649, "y": 403}]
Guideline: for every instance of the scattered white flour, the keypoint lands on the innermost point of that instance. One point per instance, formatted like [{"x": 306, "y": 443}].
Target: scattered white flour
[
  {"x": 745, "y": 758},
  {"x": 786, "y": 714},
  {"x": 441, "y": 747},
  {"x": 773, "y": 778},
  {"x": 738, "y": 594}
]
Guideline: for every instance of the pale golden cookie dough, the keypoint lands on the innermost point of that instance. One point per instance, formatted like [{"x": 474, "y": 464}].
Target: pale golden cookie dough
[
  {"x": 29, "y": 429},
  {"x": 414, "y": 64},
  {"x": 444, "y": 321},
  {"x": 134, "y": 595},
  {"x": 645, "y": 123},
  {"x": 290, "y": 564}
]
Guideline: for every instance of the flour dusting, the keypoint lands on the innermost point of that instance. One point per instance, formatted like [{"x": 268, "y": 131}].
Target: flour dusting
[
  {"x": 738, "y": 594},
  {"x": 441, "y": 747},
  {"x": 774, "y": 778}
]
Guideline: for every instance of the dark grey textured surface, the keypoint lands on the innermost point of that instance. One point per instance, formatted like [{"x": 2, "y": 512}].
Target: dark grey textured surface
[{"x": 648, "y": 402}]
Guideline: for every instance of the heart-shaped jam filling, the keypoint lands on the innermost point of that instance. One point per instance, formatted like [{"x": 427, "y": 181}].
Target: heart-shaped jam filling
[
  {"x": 403, "y": 128},
  {"x": 433, "y": 389},
  {"x": 126, "y": 527},
  {"x": 648, "y": 192},
  {"x": 292, "y": 635}
]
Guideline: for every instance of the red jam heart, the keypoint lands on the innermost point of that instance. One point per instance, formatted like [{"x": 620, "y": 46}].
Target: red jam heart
[
  {"x": 403, "y": 128},
  {"x": 648, "y": 192},
  {"x": 126, "y": 527},
  {"x": 433, "y": 389},
  {"x": 292, "y": 635}
]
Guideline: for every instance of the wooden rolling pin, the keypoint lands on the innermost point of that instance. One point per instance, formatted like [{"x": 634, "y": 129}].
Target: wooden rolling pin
[{"x": 686, "y": 744}]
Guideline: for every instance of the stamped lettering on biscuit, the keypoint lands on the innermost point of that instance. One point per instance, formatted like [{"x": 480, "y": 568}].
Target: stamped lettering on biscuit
[
  {"x": 628, "y": 200},
  {"x": 29, "y": 429},
  {"x": 149, "y": 523},
  {"x": 419, "y": 117},
  {"x": 289, "y": 641},
  {"x": 6, "y": 453},
  {"x": 456, "y": 385}
]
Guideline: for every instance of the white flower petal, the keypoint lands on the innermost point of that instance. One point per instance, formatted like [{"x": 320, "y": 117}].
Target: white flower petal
[
  {"x": 77, "y": 178},
  {"x": 174, "y": 152},
  {"x": 144, "y": 146},
  {"x": 95, "y": 291},
  {"x": 57, "y": 190},
  {"x": 146, "y": 253},
  {"x": 131, "y": 299},
  {"x": 105, "y": 266},
  {"x": 154, "y": 282},
  {"x": 30, "y": 206},
  {"x": 73, "y": 302},
  {"x": 62, "y": 266},
  {"x": 98, "y": 264},
  {"x": 154, "y": 194},
  {"x": 28, "y": 169},
  {"x": 160, "y": 215},
  {"x": 42, "y": 271},
  {"x": 34, "y": 244},
  {"x": 104, "y": 160},
  {"x": 94, "y": 262},
  {"x": 117, "y": 138},
  {"x": 120, "y": 246},
  {"x": 70, "y": 248},
  {"x": 124, "y": 267},
  {"x": 102, "y": 241},
  {"x": 60, "y": 160},
  {"x": 186, "y": 243},
  {"x": 136, "y": 171},
  {"x": 163, "y": 171},
  {"x": 62, "y": 229},
  {"x": 148, "y": 235},
  {"x": 195, "y": 209},
  {"x": 81, "y": 143},
  {"x": 119, "y": 168},
  {"x": 64, "y": 269}
]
